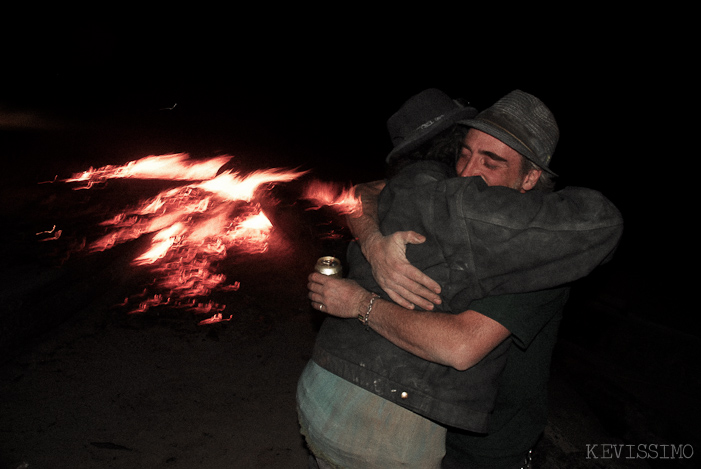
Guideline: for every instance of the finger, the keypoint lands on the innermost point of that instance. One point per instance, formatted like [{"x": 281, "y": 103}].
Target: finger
[
  {"x": 412, "y": 237},
  {"x": 313, "y": 287},
  {"x": 416, "y": 293},
  {"x": 421, "y": 284},
  {"x": 408, "y": 293},
  {"x": 410, "y": 290},
  {"x": 317, "y": 282},
  {"x": 315, "y": 277},
  {"x": 400, "y": 300},
  {"x": 418, "y": 290},
  {"x": 315, "y": 297},
  {"x": 402, "y": 296}
]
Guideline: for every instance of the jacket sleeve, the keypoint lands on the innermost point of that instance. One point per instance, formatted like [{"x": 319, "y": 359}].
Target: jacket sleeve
[
  {"x": 516, "y": 242},
  {"x": 484, "y": 240}
]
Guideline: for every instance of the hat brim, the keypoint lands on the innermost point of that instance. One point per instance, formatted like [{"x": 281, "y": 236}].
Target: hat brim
[
  {"x": 419, "y": 139},
  {"x": 504, "y": 136}
]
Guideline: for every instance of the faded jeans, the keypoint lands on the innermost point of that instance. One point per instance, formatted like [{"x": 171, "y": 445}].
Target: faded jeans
[{"x": 349, "y": 427}]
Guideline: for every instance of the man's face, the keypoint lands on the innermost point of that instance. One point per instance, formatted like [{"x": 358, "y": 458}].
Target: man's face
[{"x": 494, "y": 161}]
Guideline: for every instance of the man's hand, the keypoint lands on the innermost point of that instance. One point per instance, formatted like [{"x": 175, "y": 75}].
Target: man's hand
[
  {"x": 405, "y": 284},
  {"x": 338, "y": 297}
]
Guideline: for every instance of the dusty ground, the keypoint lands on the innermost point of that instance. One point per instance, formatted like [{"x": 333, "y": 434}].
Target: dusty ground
[
  {"x": 102, "y": 388},
  {"x": 107, "y": 389}
]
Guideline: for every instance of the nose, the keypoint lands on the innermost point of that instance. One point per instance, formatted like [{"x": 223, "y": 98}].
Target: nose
[{"x": 466, "y": 167}]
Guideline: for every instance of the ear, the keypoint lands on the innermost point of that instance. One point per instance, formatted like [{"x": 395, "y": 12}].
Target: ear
[{"x": 531, "y": 179}]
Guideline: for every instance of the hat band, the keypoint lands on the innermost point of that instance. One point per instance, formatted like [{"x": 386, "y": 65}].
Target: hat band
[
  {"x": 547, "y": 158},
  {"x": 429, "y": 123}
]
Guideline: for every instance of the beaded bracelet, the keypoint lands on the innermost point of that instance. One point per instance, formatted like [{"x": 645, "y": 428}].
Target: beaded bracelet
[{"x": 366, "y": 318}]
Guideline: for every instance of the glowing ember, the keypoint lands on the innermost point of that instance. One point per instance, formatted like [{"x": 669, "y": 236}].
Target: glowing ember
[
  {"x": 55, "y": 234},
  {"x": 216, "y": 318},
  {"x": 194, "y": 226}
]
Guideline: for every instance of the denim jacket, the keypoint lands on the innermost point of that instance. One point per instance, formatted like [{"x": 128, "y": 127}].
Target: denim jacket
[{"x": 481, "y": 241}]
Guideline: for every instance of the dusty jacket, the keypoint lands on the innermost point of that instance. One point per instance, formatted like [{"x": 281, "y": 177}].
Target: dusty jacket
[{"x": 480, "y": 241}]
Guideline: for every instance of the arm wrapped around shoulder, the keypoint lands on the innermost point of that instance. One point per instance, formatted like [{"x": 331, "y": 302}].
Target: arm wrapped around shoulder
[{"x": 516, "y": 242}]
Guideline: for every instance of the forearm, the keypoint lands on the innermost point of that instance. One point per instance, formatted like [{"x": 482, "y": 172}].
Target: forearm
[
  {"x": 539, "y": 240},
  {"x": 456, "y": 340},
  {"x": 367, "y": 225}
]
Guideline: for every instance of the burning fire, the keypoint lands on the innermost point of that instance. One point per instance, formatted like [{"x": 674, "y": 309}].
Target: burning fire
[
  {"x": 173, "y": 167},
  {"x": 194, "y": 225},
  {"x": 325, "y": 194}
]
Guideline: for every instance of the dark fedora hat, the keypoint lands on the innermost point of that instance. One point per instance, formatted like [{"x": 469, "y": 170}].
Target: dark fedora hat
[
  {"x": 524, "y": 123},
  {"x": 422, "y": 117}
]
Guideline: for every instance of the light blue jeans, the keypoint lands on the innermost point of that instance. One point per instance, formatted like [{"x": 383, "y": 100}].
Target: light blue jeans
[{"x": 349, "y": 427}]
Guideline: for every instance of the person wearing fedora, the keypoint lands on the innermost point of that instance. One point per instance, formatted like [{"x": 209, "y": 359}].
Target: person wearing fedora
[{"x": 386, "y": 390}]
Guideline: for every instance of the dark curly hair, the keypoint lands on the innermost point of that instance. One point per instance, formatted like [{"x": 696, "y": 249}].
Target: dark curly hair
[{"x": 444, "y": 147}]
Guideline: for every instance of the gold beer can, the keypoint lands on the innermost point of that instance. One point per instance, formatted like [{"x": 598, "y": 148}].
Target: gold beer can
[{"x": 330, "y": 266}]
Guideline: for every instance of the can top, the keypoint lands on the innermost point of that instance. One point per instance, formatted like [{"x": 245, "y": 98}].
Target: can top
[
  {"x": 328, "y": 261},
  {"x": 329, "y": 265}
]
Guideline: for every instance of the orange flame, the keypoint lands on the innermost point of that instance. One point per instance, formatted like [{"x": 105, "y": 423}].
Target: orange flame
[
  {"x": 195, "y": 225},
  {"x": 171, "y": 167},
  {"x": 327, "y": 194},
  {"x": 192, "y": 226},
  {"x": 214, "y": 319},
  {"x": 231, "y": 186}
]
